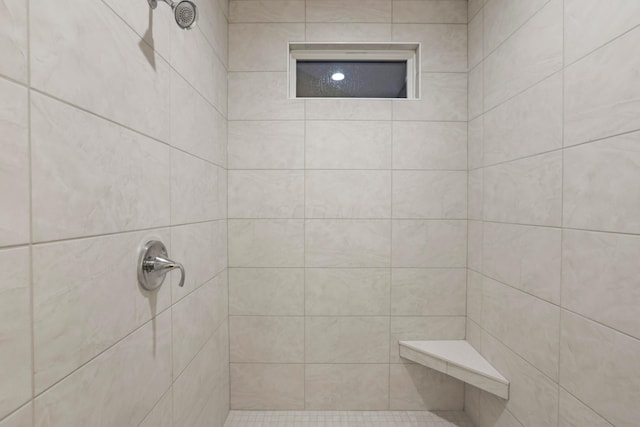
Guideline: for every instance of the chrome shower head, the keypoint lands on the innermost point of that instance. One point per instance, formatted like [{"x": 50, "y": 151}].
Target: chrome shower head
[{"x": 185, "y": 12}]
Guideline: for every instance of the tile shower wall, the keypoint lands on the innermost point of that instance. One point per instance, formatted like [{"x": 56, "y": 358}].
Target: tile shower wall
[
  {"x": 347, "y": 218},
  {"x": 113, "y": 131},
  {"x": 554, "y": 208}
]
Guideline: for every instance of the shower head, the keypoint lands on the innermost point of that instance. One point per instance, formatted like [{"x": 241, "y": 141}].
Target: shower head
[{"x": 185, "y": 12}]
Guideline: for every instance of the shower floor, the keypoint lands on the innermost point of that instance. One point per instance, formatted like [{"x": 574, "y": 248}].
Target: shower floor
[{"x": 348, "y": 419}]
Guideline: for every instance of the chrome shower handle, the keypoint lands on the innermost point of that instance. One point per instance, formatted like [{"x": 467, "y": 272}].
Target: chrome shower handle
[
  {"x": 154, "y": 264},
  {"x": 163, "y": 265}
]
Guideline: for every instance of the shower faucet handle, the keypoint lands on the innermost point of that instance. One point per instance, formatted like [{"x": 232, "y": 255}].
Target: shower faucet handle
[{"x": 154, "y": 264}]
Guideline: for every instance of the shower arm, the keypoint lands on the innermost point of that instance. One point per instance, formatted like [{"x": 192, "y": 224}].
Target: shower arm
[{"x": 154, "y": 3}]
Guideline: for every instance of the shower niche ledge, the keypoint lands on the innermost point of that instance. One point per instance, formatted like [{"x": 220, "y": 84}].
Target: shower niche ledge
[{"x": 457, "y": 358}]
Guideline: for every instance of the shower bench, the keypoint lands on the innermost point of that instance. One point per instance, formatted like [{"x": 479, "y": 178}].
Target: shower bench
[{"x": 457, "y": 358}]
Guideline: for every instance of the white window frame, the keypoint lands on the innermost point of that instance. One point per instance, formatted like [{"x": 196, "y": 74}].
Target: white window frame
[{"x": 357, "y": 52}]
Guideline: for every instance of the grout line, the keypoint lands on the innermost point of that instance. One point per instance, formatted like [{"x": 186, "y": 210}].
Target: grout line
[
  {"x": 562, "y": 181},
  {"x": 30, "y": 195}
]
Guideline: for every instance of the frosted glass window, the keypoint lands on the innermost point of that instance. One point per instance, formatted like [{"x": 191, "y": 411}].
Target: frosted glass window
[
  {"x": 354, "y": 70},
  {"x": 351, "y": 79}
]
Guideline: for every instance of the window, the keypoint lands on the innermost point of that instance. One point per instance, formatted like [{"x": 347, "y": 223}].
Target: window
[{"x": 364, "y": 70}]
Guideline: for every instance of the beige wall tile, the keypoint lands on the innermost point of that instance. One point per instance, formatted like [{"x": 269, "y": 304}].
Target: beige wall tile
[
  {"x": 266, "y": 243},
  {"x": 485, "y": 409},
  {"x": 347, "y": 109},
  {"x": 592, "y": 23},
  {"x": 507, "y": 312},
  {"x": 533, "y": 397},
  {"x": 574, "y": 413},
  {"x": 262, "y": 47},
  {"x": 429, "y": 194},
  {"x": 347, "y": 387},
  {"x": 157, "y": 35},
  {"x": 473, "y": 7},
  {"x": 161, "y": 415},
  {"x": 80, "y": 311},
  {"x": 347, "y": 340},
  {"x": 443, "y": 98},
  {"x": 474, "y": 300},
  {"x": 531, "y": 54},
  {"x": 428, "y": 292},
  {"x": 348, "y": 145},
  {"x": 348, "y": 11},
  {"x": 429, "y": 145},
  {"x": 526, "y": 191},
  {"x": 262, "y": 339},
  {"x": 266, "y": 291},
  {"x": 430, "y": 12},
  {"x": 272, "y": 386},
  {"x": 600, "y": 367},
  {"x": 117, "y": 388},
  {"x": 198, "y": 189},
  {"x": 504, "y": 17},
  {"x": 267, "y": 11},
  {"x": 602, "y": 94},
  {"x": 193, "y": 57},
  {"x": 423, "y": 328},
  {"x": 21, "y": 418},
  {"x": 15, "y": 329},
  {"x": 527, "y": 124},
  {"x": 262, "y": 96},
  {"x": 443, "y": 48},
  {"x": 91, "y": 176},
  {"x": 266, "y": 194},
  {"x": 527, "y": 258},
  {"x": 600, "y": 191},
  {"x": 347, "y": 292},
  {"x": 202, "y": 379},
  {"x": 352, "y": 32},
  {"x": 196, "y": 126},
  {"x": 416, "y": 388},
  {"x": 429, "y": 243},
  {"x": 475, "y": 134},
  {"x": 347, "y": 243},
  {"x": 14, "y": 163},
  {"x": 196, "y": 318},
  {"x": 348, "y": 194},
  {"x": 475, "y": 40},
  {"x": 202, "y": 249},
  {"x": 475, "y": 194},
  {"x": 600, "y": 278},
  {"x": 475, "y": 103},
  {"x": 80, "y": 72},
  {"x": 266, "y": 145},
  {"x": 13, "y": 39},
  {"x": 475, "y": 245}
]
